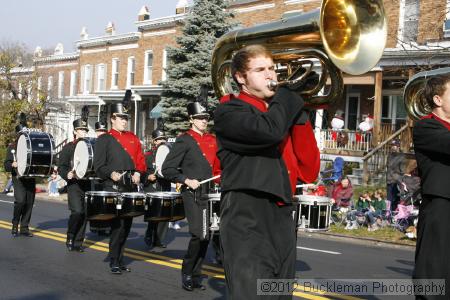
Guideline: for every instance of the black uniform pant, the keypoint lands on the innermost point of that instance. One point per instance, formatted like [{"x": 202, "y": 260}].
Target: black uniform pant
[
  {"x": 433, "y": 243},
  {"x": 156, "y": 231},
  {"x": 120, "y": 228},
  {"x": 195, "y": 211},
  {"x": 24, "y": 194},
  {"x": 258, "y": 242},
  {"x": 76, "y": 227}
]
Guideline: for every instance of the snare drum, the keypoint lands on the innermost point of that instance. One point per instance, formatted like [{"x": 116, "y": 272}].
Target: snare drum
[
  {"x": 101, "y": 205},
  {"x": 315, "y": 212},
  {"x": 35, "y": 151},
  {"x": 164, "y": 206},
  {"x": 213, "y": 210},
  {"x": 131, "y": 204},
  {"x": 83, "y": 158}
]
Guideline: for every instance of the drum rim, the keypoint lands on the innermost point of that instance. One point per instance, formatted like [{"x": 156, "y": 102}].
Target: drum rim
[
  {"x": 133, "y": 194},
  {"x": 314, "y": 198},
  {"x": 102, "y": 193}
]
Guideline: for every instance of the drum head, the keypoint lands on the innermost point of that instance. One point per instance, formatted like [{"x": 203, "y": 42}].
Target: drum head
[
  {"x": 161, "y": 154},
  {"x": 22, "y": 154},
  {"x": 81, "y": 158}
]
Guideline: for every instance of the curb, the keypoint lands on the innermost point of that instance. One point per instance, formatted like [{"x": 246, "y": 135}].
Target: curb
[{"x": 356, "y": 239}]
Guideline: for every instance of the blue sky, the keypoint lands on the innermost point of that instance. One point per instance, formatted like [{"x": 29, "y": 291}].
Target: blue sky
[{"x": 46, "y": 22}]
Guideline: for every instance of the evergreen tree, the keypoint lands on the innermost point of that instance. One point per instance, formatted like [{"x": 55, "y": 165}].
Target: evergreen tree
[{"x": 190, "y": 62}]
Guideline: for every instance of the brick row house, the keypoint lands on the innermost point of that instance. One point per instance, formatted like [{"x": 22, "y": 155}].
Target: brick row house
[{"x": 103, "y": 67}]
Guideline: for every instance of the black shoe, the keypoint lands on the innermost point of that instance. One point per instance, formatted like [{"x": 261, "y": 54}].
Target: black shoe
[
  {"x": 187, "y": 283},
  {"x": 125, "y": 269},
  {"x": 15, "y": 230},
  {"x": 78, "y": 249},
  {"x": 69, "y": 245},
  {"x": 26, "y": 233},
  {"x": 116, "y": 270},
  {"x": 159, "y": 245},
  {"x": 197, "y": 284}
]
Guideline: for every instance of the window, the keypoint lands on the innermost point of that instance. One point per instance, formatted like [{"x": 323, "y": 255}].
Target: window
[
  {"x": 61, "y": 84},
  {"x": 101, "y": 71},
  {"x": 410, "y": 21},
  {"x": 115, "y": 73},
  {"x": 130, "y": 71},
  {"x": 164, "y": 66},
  {"x": 393, "y": 110},
  {"x": 39, "y": 86},
  {"x": 73, "y": 83},
  {"x": 148, "y": 70},
  {"x": 87, "y": 82},
  {"x": 49, "y": 87}
]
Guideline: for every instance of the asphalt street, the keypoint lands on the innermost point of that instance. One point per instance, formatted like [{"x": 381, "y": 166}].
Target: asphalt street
[{"x": 41, "y": 268}]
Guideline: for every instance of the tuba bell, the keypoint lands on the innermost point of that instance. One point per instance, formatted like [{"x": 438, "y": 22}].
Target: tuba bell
[
  {"x": 343, "y": 36},
  {"x": 416, "y": 105}
]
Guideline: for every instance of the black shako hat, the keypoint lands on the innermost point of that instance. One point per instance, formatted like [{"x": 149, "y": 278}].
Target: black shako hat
[
  {"x": 100, "y": 126},
  {"x": 158, "y": 134},
  {"x": 20, "y": 127},
  {"x": 80, "y": 124},
  {"x": 196, "y": 109},
  {"x": 122, "y": 109}
]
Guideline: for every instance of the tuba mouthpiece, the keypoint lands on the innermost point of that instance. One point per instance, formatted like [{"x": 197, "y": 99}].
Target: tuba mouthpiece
[{"x": 272, "y": 84}]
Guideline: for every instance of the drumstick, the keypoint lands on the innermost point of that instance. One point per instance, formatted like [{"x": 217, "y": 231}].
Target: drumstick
[
  {"x": 123, "y": 173},
  {"x": 14, "y": 155},
  {"x": 305, "y": 185},
  {"x": 209, "y": 179}
]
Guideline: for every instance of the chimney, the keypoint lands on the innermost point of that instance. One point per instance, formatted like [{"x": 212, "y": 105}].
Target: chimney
[
  {"x": 182, "y": 7},
  {"x": 144, "y": 14},
  {"x": 59, "y": 49},
  {"x": 38, "y": 52},
  {"x": 110, "y": 29},
  {"x": 83, "y": 34}
]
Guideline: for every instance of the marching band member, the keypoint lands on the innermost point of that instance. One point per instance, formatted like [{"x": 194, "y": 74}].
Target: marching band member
[
  {"x": 266, "y": 144},
  {"x": 119, "y": 161},
  {"x": 76, "y": 188},
  {"x": 156, "y": 231},
  {"x": 24, "y": 191},
  {"x": 192, "y": 159},
  {"x": 431, "y": 136}
]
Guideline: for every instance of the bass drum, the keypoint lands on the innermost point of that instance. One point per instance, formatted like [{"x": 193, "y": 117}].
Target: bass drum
[
  {"x": 83, "y": 158},
  {"x": 160, "y": 157},
  {"x": 35, "y": 150}
]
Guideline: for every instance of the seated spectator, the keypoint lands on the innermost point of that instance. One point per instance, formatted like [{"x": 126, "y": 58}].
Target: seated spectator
[
  {"x": 53, "y": 183},
  {"x": 361, "y": 207},
  {"x": 341, "y": 193},
  {"x": 375, "y": 212},
  {"x": 409, "y": 185}
]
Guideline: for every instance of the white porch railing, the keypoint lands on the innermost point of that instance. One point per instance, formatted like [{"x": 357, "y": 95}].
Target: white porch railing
[{"x": 350, "y": 140}]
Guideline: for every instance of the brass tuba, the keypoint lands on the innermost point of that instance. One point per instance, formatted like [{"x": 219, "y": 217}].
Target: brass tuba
[
  {"x": 343, "y": 35},
  {"x": 415, "y": 103}
]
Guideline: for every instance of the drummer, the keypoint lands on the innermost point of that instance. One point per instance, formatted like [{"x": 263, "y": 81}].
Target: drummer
[
  {"x": 118, "y": 156},
  {"x": 76, "y": 188},
  {"x": 101, "y": 227},
  {"x": 156, "y": 231},
  {"x": 24, "y": 191},
  {"x": 191, "y": 160}
]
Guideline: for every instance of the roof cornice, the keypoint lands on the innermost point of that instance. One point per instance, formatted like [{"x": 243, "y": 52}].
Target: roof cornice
[
  {"x": 56, "y": 58},
  {"x": 160, "y": 22},
  {"x": 109, "y": 40}
]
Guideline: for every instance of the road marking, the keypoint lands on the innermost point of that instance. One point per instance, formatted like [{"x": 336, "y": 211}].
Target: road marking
[
  {"x": 163, "y": 260},
  {"x": 318, "y": 250},
  {"x": 12, "y": 202}
]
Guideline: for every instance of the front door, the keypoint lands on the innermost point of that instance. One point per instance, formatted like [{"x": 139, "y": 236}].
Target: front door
[{"x": 352, "y": 111}]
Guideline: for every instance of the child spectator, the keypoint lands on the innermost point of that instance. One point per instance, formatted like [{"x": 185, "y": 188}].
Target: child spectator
[
  {"x": 53, "y": 183},
  {"x": 375, "y": 212},
  {"x": 362, "y": 206}
]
